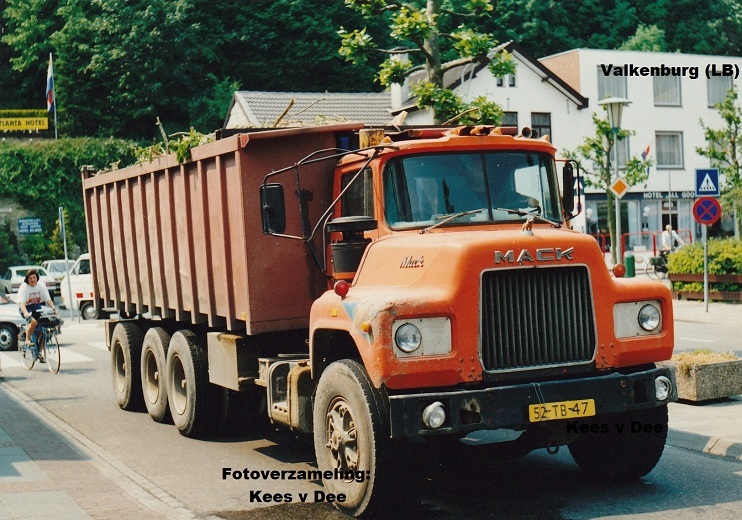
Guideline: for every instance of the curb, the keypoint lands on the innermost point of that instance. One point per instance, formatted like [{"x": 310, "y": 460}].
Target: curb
[{"x": 705, "y": 444}]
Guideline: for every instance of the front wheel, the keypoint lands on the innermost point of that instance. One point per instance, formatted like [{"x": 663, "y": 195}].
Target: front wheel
[
  {"x": 53, "y": 354},
  {"x": 28, "y": 358},
  {"x": 622, "y": 447},
  {"x": 350, "y": 435}
]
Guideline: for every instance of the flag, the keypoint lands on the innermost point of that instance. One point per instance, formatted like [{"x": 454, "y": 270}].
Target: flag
[
  {"x": 50, "y": 86},
  {"x": 645, "y": 154}
]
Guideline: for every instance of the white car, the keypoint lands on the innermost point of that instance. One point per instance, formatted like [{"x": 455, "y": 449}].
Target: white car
[
  {"x": 10, "y": 324},
  {"x": 13, "y": 278},
  {"x": 81, "y": 281},
  {"x": 57, "y": 268}
]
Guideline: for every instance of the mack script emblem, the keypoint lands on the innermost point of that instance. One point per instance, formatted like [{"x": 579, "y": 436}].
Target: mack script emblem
[{"x": 546, "y": 254}]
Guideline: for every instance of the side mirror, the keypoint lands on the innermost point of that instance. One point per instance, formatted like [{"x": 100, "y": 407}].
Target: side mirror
[
  {"x": 272, "y": 209},
  {"x": 568, "y": 187}
]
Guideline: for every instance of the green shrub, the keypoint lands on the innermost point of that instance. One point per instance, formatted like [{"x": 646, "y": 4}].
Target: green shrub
[
  {"x": 724, "y": 257},
  {"x": 42, "y": 175}
]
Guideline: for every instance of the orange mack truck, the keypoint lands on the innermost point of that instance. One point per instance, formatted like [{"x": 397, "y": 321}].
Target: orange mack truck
[{"x": 425, "y": 286}]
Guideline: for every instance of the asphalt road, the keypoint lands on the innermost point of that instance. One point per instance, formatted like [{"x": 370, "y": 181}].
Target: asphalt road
[{"x": 442, "y": 485}]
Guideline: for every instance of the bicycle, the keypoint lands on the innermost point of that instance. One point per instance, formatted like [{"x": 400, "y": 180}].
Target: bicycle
[
  {"x": 657, "y": 266},
  {"x": 45, "y": 346}
]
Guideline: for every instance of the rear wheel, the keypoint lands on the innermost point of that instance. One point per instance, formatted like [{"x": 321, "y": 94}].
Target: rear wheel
[
  {"x": 191, "y": 398},
  {"x": 8, "y": 338},
  {"x": 629, "y": 449},
  {"x": 88, "y": 311},
  {"x": 351, "y": 436},
  {"x": 126, "y": 349},
  {"x": 53, "y": 354},
  {"x": 154, "y": 387}
]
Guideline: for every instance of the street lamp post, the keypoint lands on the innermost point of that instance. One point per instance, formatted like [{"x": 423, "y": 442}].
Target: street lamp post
[{"x": 614, "y": 106}]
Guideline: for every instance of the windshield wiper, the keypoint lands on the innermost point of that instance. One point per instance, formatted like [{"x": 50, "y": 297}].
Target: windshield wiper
[
  {"x": 530, "y": 214},
  {"x": 446, "y": 218}
]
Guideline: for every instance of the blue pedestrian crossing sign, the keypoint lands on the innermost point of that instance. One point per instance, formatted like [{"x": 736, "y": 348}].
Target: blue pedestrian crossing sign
[{"x": 707, "y": 183}]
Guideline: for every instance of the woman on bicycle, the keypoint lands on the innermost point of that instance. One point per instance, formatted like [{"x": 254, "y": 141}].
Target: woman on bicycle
[{"x": 30, "y": 296}]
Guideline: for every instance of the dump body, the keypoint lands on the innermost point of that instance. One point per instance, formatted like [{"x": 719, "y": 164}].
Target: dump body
[{"x": 185, "y": 241}]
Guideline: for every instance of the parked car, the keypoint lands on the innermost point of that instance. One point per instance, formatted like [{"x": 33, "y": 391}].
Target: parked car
[
  {"x": 13, "y": 278},
  {"x": 81, "y": 281},
  {"x": 57, "y": 268},
  {"x": 10, "y": 324}
]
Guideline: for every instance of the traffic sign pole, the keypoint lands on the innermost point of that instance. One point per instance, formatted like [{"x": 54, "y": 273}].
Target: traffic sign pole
[
  {"x": 704, "y": 237},
  {"x": 706, "y": 211}
]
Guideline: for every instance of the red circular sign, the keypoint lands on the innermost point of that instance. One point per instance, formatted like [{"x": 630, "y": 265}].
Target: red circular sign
[{"x": 707, "y": 210}]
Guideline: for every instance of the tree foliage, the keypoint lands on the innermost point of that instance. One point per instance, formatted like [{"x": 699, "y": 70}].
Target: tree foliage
[
  {"x": 43, "y": 175},
  {"x": 724, "y": 151},
  {"x": 423, "y": 30},
  {"x": 596, "y": 149}
]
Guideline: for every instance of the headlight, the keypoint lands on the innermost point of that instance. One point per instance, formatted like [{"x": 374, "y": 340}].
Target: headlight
[
  {"x": 640, "y": 318},
  {"x": 662, "y": 388},
  {"x": 408, "y": 338},
  {"x": 649, "y": 317}
]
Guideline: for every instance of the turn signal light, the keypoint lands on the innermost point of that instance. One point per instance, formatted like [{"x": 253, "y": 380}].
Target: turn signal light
[{"x": 619, "y": 270}]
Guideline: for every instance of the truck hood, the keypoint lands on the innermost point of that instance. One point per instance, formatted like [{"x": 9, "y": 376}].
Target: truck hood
[{"x": 439, "y": 258}]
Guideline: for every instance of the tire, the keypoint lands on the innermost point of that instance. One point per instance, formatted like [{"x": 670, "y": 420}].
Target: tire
[
  {"x": 351, "y": 433},
  {"x": 154, "y": 382},
  {"x": 8, "y": 337},
  {"x": 126, "y": 350},
  {"x": 88, "y": 311},
  {"x": 191, "y": 398},
  {"x": 53, "y": 354},
  {"x": 27, "y": 357},
  {"x": 620, "y": 454}
]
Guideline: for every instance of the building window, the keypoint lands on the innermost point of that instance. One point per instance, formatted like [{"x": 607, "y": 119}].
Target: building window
[
  {"x": 621, "y": 147},
  {"x": 511, "y": 80},
  {"x": 667, "y": 91},
  {"x": 510, "y": 119},
  {"x": 541, "y": 122},
  {"x": 717, "y": 89},
  {"x": 669, "y": 149},
  {"x": 611, "y": 86}
]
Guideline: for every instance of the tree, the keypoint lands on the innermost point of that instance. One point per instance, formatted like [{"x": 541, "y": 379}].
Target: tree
[
  {"x": 420, "y": 31},
  {"x": 724, "y": 150},
  {"x": 646, "y": 39},
  {"x": 597, "y": 149}
]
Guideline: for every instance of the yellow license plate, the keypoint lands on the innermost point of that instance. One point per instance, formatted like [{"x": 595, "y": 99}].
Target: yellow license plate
[{"x": 561, "y": 410}]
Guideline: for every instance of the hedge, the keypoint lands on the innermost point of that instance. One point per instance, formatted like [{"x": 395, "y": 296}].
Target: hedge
[
  {"x": 724, "y": 257},
  {"x": 42, "y": 175}
]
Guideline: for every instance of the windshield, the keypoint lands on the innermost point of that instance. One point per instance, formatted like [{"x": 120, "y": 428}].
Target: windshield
[{"x": 421, "y": 189}]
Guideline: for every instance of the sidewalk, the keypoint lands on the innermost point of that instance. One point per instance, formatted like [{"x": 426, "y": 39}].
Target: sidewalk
[{"x": 48, "y": 473}]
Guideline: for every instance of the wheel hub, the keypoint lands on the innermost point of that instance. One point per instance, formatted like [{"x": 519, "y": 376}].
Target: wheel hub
[{"x": 341, "y": 436}]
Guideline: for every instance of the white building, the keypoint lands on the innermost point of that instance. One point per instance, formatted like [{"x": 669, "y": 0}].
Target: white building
[{"x": 670, "y": 93}]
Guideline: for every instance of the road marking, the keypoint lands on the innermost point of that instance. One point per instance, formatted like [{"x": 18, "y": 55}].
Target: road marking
[
  {"x": 68, "y": 356},
  {"x": 100, "y": 345},
  {"x": 698, "y": 340}
]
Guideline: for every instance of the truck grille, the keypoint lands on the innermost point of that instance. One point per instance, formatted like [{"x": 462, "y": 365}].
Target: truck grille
[{"x": 535, "y": 318}]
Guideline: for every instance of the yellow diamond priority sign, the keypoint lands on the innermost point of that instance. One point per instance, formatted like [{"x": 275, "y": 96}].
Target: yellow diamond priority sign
[{"x": 619, "y": 187}]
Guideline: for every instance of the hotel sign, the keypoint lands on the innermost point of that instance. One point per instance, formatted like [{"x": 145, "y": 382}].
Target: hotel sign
[{"x": 23, "y": 123}]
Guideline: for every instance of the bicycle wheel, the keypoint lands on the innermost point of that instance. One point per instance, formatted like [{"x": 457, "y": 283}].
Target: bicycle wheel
[
  {"x": 28, "y": 357},
  {"x": 53, "y": 354},
  {"x": 649, "y": 269}
]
